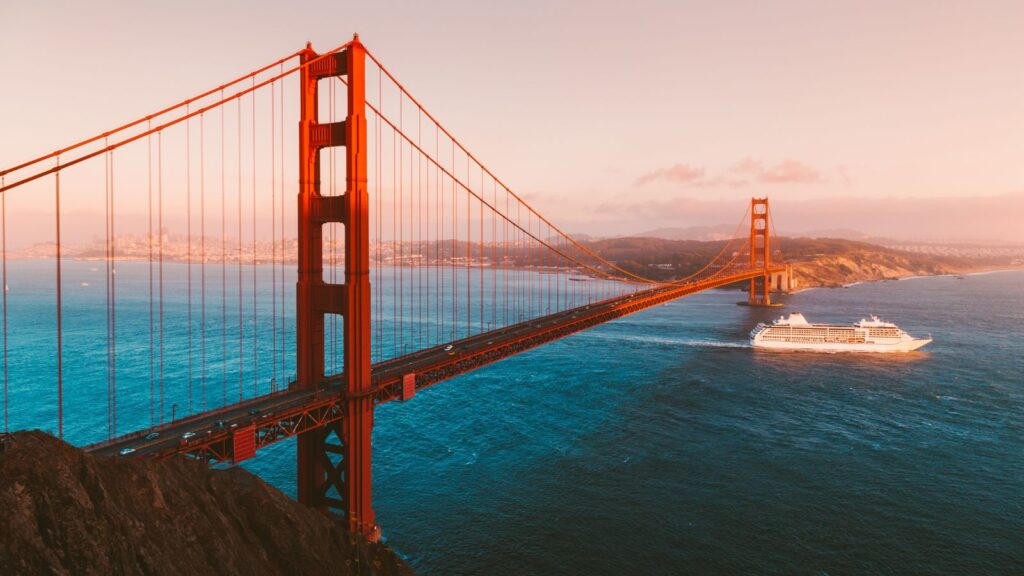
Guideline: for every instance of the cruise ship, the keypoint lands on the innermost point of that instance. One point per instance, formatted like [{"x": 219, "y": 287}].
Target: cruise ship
[{"x": 796, "y": 333}]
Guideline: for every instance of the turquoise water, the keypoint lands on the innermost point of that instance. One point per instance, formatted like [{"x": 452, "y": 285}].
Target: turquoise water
[{"x": 662, "y": 444}]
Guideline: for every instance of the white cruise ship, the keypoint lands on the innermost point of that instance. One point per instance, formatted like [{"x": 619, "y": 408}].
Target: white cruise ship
[{"x": 796, "y": 333}]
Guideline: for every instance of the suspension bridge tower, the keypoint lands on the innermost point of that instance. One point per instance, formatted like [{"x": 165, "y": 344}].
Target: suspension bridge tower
[
  {"x": 760, "y": 252},
  {"x": 334, "y": 461}
]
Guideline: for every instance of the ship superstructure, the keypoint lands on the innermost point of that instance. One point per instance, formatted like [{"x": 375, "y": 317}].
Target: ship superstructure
[{"x": 794, "y": 332}]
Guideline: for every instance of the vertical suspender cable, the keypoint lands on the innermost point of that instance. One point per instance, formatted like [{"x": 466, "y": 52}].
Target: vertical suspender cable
[
  {"x": 202, "y": 262},
  {"x": 439, "y": 218},
  {"x": 395, "y": 319},
  {"x": 149, "y": 221},
  {"x": 455, "y": 238},
  {"x": 521, "y": 256},
  {"x": 60, "y": 331},
  {"x": 400, "y": 317},
  {"x": 547, "y": 268},
  {"x": 531, "y": 258},
  {"x": 439, "y": 244},
  {"x": 505, "y": 247},
  {"x": 241, "y": 372},
  {"x": 281, "y": 228},
  {"x": 113, "y": 303},
  {"x": 188, "y": 260},
  {"x": 273, "y": 235},
  {"x": 469, "y": 258},
  {"x": 255, "y": 348},
  {"x": 3, "y": 270},
  {"x": 494, "y": 253},
  {"x": 378, "y": 289},
  {"x": 480, "y": 247},
  {"x": 160, "y": 248},
  {"x": 422, "y": 259},
  {"x": 223, "y": 264},
  {"x": 106, "y": 279}
]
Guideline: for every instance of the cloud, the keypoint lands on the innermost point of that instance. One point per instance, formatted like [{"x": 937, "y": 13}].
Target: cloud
[
  {"x": 743, "y": 173},
  {"x": 785, "y": 172},
  {"x": 680, "y": 173}
]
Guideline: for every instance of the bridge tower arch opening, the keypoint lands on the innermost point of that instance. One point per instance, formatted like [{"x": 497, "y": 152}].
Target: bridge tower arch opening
[{"x": 334, "y": 461}]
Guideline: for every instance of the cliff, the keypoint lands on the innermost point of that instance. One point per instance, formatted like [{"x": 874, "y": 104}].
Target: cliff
[
  {"x": 833, "y": 262},
  {"x": 63, "y": 511},
  {"x": 839, "y": 269}
]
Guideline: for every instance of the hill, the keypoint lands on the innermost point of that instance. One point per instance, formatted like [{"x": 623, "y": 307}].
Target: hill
[
  {"x": 63, "y": 511},
  {"x": 816, "y": 261}
]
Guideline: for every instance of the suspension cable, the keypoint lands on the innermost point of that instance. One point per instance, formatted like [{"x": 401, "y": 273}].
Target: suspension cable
[
  {"x": 148, "y": 118},
  {"x": 484, "y": 168},
  {"x": 108, "y": 147}
]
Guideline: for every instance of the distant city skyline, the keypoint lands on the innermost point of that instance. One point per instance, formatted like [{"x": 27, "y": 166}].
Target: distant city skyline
[{"x": 903, "y": 120}]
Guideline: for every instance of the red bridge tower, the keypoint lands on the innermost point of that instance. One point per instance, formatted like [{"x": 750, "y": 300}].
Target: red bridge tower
[
  {"x": 760, "y": 251},
  {"x": 334, "y": 461}
]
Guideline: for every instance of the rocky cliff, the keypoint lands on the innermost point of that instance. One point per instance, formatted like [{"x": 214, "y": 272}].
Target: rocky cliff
[
  {"x": 865, "y": 266},
  {"x": 63, "y": 511}
]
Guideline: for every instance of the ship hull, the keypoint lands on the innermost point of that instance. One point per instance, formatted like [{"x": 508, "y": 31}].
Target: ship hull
[{"x": 903, "y": 346}]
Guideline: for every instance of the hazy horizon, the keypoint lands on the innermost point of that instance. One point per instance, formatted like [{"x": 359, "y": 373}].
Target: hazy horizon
[{"x": 904, "y": 121}]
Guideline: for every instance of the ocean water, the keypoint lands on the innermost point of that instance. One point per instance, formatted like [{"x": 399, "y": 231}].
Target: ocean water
[{"x": 661, "y": 443}]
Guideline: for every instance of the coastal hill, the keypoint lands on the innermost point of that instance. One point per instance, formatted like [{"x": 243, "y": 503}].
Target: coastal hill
[
  {"x": 816, "y": 261},
  {"x": 63, "y": 511}
]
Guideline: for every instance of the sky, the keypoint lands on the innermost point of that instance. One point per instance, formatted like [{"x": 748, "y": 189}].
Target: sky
[{"x": 903, "y": 119}]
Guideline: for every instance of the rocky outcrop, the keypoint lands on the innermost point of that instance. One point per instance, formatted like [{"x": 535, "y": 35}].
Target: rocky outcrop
[
  {"x": 63, "y": 511},
  {"x": 865, "y": 266}
]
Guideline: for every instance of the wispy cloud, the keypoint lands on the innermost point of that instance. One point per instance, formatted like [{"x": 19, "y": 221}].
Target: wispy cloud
[
  {"x": 785, "y": 172},
  {"x": 743, "y": 173},
  {"x": 680, "y": 173}
]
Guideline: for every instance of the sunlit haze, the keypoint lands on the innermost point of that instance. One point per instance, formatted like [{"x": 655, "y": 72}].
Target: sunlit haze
[{"x": 892, "y": 119}]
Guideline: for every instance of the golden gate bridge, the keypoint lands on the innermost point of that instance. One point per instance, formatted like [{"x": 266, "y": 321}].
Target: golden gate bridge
[{"x": 414, "y": 264}]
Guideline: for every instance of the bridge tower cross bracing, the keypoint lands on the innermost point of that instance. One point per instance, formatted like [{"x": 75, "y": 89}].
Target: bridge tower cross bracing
[
  {"x": 760, "y": 250},
  {"x": 334, "y": 461}
]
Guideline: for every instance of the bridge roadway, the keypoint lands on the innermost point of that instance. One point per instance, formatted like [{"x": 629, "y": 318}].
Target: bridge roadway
[{"x": 234, "y": 432}]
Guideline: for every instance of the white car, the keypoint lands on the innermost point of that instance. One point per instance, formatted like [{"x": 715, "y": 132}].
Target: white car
[
  {"x": 188, "y": 435},
  {"x": 127, "y": 451}
]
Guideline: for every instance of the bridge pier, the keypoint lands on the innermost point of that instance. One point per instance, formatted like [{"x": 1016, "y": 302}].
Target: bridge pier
[
  {"x": 782, "y": 281},
  {"x": 760, "y": 291}
]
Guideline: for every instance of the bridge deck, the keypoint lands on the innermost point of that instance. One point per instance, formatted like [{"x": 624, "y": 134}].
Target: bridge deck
[{"x": 274, "y": 417}]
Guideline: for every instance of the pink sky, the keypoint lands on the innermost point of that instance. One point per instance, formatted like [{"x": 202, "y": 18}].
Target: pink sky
[{"x": 599, "y": 111}]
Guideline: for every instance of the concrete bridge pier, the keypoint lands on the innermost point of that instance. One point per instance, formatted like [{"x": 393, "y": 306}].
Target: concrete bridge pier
[{"x": 780, "y": 282}]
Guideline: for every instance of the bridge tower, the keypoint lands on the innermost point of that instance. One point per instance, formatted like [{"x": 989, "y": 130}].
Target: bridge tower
[
  {"x": 760, "y": 251},
  {"x": 334, "y": 461}
]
